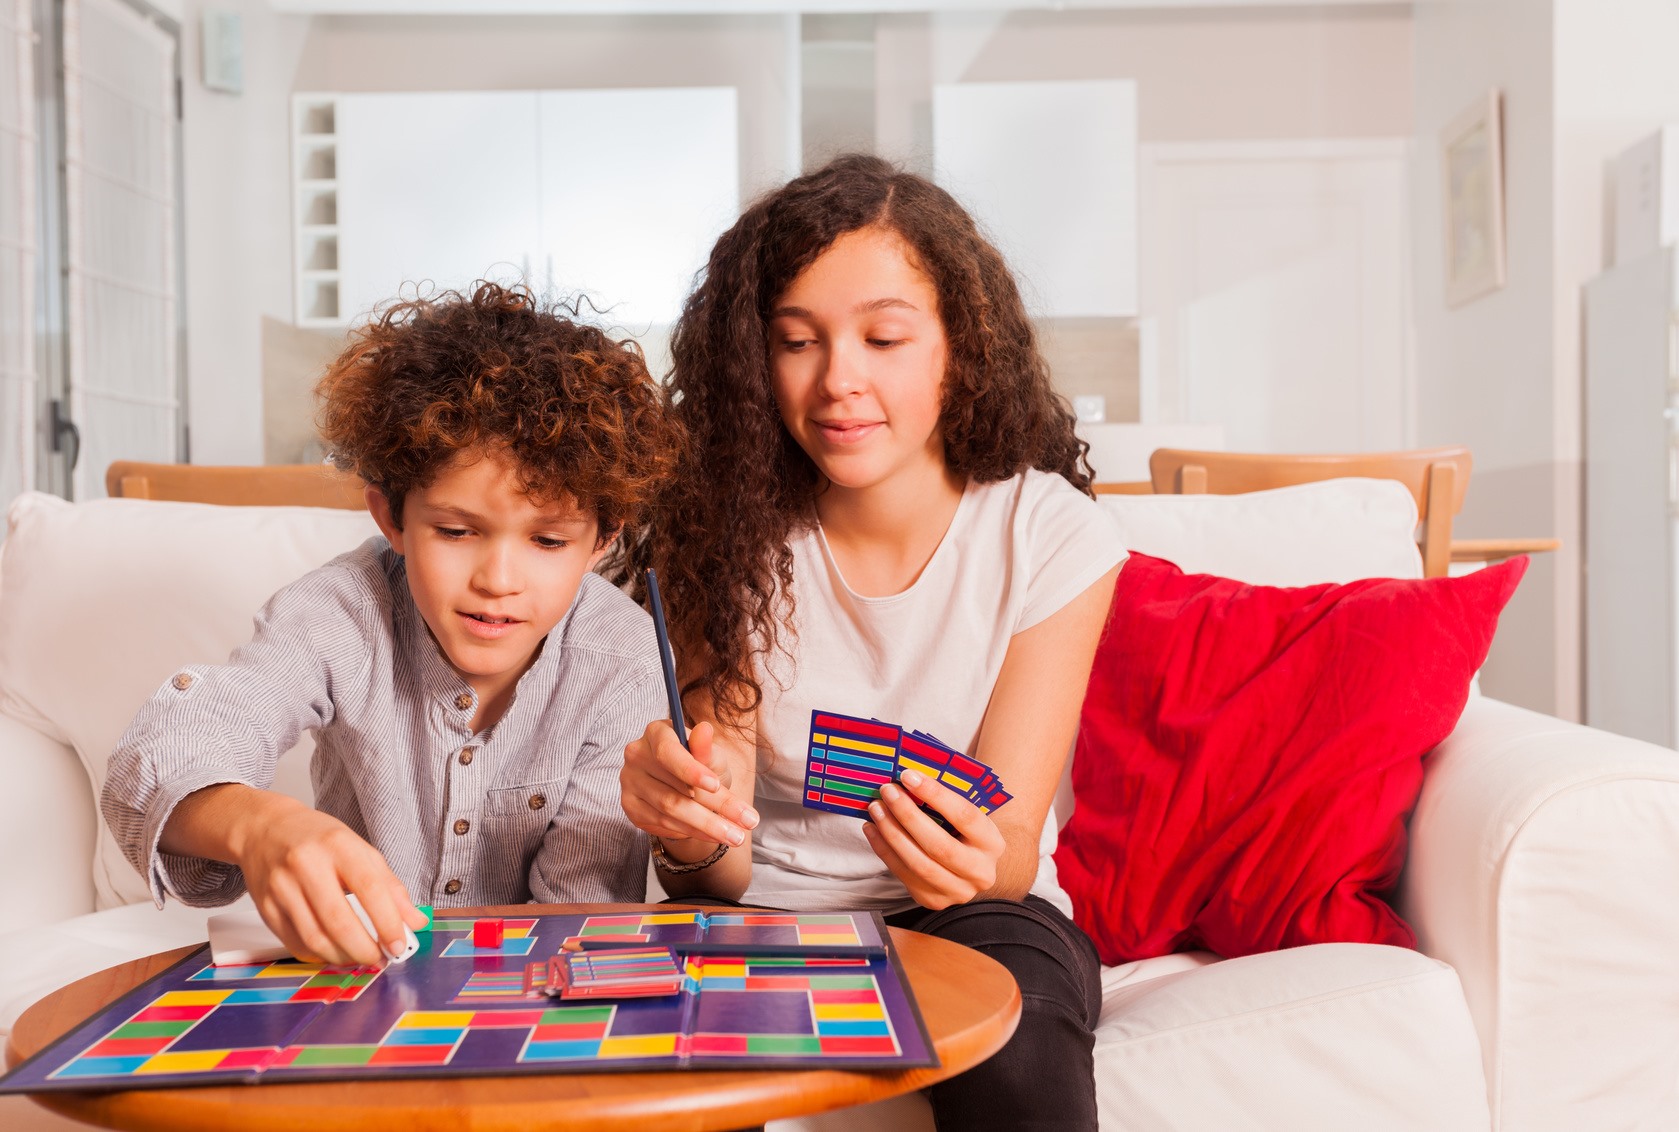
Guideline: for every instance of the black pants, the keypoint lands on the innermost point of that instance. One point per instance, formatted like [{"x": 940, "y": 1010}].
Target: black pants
[{"x": 1044, "y": 1078}]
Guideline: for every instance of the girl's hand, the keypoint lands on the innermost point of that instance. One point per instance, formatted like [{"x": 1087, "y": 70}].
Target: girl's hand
[
  {"x": 939, "y": 870},
  {"x": 677, "y": 794}
]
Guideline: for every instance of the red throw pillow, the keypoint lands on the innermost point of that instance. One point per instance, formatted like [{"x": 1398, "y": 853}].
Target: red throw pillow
[{"x": 1247, "y": 755}]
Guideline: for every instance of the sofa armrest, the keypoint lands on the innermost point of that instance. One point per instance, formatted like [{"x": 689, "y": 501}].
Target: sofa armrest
[
  {"x": 1544, "y": 867},
  {"x": 47, "y": 837}
]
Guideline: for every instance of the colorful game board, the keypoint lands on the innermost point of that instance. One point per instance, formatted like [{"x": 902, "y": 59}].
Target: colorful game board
[
  {"x": 757, "y": 990},
  {"x": 848, "y": 760}
]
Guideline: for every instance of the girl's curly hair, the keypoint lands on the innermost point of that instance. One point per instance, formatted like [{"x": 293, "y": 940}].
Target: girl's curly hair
[
  {"x": 499, "y": 371},
  {"x": 719, "y": 534}
]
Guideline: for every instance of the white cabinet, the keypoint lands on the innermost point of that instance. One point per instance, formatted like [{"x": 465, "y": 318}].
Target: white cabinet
[
  {"x": 1049, "y": 170},
  {"x": 616, "y": 194},
  {"x": 632, "y": 234},
  {"x": 434, "y": 187}
]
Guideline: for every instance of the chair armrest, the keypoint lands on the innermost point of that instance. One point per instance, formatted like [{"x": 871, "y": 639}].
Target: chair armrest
[
  {"x": 47, "y": 835},
  {"x": 1544, "y": 867}
]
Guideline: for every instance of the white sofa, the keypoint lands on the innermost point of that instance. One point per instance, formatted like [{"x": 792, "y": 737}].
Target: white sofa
[{"x": 1543, "y": 879}]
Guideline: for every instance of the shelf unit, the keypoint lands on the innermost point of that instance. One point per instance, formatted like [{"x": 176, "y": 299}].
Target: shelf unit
[{"x": 315, "y": 210}]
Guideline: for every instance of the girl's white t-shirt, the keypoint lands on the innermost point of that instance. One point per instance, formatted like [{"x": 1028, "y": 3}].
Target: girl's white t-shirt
[{"x": 925, "y": 659}]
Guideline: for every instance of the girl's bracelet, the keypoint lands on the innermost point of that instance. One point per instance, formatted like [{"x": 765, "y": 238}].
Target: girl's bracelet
[{"x": 665, "y": 863}]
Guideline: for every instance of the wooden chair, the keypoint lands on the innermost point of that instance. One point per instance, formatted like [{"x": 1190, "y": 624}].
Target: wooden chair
[
  {"x": 282, "y": 485},
  {"x": 1437, "y": 478}
]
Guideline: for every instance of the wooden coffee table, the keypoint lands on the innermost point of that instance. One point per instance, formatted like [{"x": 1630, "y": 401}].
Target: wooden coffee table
[{"x": 970, "y": 1003}]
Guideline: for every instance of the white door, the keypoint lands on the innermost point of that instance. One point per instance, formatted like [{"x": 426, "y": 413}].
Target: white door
[
  {"x": 121, "y": 239},
  {"x": 1275, "y": 276},
  {"x": 434, "y": 189},
  {"x": 19, "y": 396},
  {"x": 636, "y": 187}
]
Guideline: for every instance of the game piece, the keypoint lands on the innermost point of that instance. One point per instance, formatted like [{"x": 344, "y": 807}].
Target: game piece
[
  {"x": 751, "y": 989},
  {"x": 241, "y": 937},
  {"x": 486, "y": 934}
]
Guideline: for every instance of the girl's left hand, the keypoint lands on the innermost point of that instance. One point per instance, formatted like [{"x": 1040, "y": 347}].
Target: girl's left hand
[{"x": 939, "y": 870}]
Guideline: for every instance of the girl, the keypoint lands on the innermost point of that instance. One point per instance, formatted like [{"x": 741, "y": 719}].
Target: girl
[{"x": 883, "y": 511}]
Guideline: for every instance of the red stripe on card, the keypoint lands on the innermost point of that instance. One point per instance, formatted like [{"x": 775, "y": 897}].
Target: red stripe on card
[
  {"x": 966, "y": 765},
  {"x": 927, "y": 751},
  {"x": 855, "y": 727},
  {"x": 842, "y": 800},
  {"x": 855, "y": 775}
]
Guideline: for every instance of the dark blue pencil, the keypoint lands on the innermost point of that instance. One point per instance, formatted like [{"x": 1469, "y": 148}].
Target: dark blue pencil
[{"x": 666, "y": 657}]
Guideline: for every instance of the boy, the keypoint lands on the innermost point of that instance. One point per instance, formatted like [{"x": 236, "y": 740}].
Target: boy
[{"x": 471, "y": 682}]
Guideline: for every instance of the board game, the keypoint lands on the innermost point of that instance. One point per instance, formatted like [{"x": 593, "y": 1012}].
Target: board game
[{"x": 768, "y": 990}]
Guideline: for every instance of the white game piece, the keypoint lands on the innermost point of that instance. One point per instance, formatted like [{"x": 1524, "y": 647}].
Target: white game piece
[{"x": 410, "y": 941}]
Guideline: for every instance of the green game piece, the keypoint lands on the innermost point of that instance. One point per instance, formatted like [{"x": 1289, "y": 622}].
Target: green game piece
[{"x": 426, "y": 908}]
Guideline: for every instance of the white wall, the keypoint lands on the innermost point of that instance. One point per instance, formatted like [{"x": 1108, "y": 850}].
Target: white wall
[
  {"x": 1581, "y": 80},
  {"x": 1202, "y": 75},
  {"x": 237, "y": 194},
  {"x": 237, "y": 157}
]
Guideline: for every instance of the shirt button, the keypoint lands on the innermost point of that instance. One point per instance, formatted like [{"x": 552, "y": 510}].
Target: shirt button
[
  {"x": 452, "y": 887},
  {"x": 462, "y": 825},
  {"x": 466, "y": 757},
  {"x": 182, "y": 680},
  {"x": 538, "y": 801},
  {"x": 464, "y": 700}
]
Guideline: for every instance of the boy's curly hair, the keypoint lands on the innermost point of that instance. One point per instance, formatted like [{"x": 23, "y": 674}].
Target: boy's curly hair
[
  {"x": 719, "y": 535},
  {"x": 430, "y": 378}
]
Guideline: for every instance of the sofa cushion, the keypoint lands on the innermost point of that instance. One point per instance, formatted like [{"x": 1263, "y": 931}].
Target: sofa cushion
[
  {"x": 1312, "y": 1039},
  {"x": 1247, "y": 755},
  {"x": 1334, "y": 531},
  {"x": 100, "y": 601}
]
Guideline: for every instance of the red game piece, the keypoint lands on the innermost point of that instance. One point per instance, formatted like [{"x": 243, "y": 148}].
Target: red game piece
[{"x": 487, "y": 934}]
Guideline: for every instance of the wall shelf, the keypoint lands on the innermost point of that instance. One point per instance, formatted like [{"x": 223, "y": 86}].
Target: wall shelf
[{"x": 315, "y": 269}]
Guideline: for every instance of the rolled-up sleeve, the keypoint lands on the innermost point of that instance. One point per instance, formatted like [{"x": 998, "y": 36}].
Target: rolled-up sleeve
[
  {"x": 229, "y": 723},
  {"x": 590, "y": 852}
]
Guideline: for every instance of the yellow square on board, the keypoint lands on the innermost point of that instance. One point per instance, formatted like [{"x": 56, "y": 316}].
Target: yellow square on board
[
  {"x": 191, "y": 998},
  {"x": 434, "y": 1019},
  {"x": 725, "y": 970},
  {"x": 668, "y": 918},
  {"x": 640, "y": 1045},
  {"x": 193, "y": 1061},
  {"x": 846, "y": 1011}
]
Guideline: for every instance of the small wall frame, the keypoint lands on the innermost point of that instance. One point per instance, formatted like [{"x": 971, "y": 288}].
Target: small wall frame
[{"x": 1472, "y": 176}]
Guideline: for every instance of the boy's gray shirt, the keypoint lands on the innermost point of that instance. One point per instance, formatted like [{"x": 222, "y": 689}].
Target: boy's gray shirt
[{"x": 529, "y": 810}]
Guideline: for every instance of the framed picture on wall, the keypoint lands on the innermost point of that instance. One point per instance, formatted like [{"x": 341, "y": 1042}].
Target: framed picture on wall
[{"x": 1472, "y": 169}]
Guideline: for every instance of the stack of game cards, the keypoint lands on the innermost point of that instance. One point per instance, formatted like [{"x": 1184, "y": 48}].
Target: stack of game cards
[
  {"x": 617, "y": 972},
  {"x": 849, "y": 759}
]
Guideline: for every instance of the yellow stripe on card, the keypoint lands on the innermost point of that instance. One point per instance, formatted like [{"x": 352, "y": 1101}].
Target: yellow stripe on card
[
  {"x": 641, "y": 1045},
  {"x": 191, "y": 998},
  {"x": 959, "y": 783},
  {"x": 846, "y": 1011},
  {"x": 819, "y": 739},
  {"x": 859, "y": 745},
  {"x": 922, "y": 767},
  {"x": 190, "y": 1062},
  {"x": 434, "y": 1019}
]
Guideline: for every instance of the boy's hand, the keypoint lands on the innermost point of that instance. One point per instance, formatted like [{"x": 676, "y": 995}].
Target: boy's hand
[
  {"x": 939, "y": 870},
  {"x": 299, "y": 863},
  {"x": 676, "y": 794}
]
